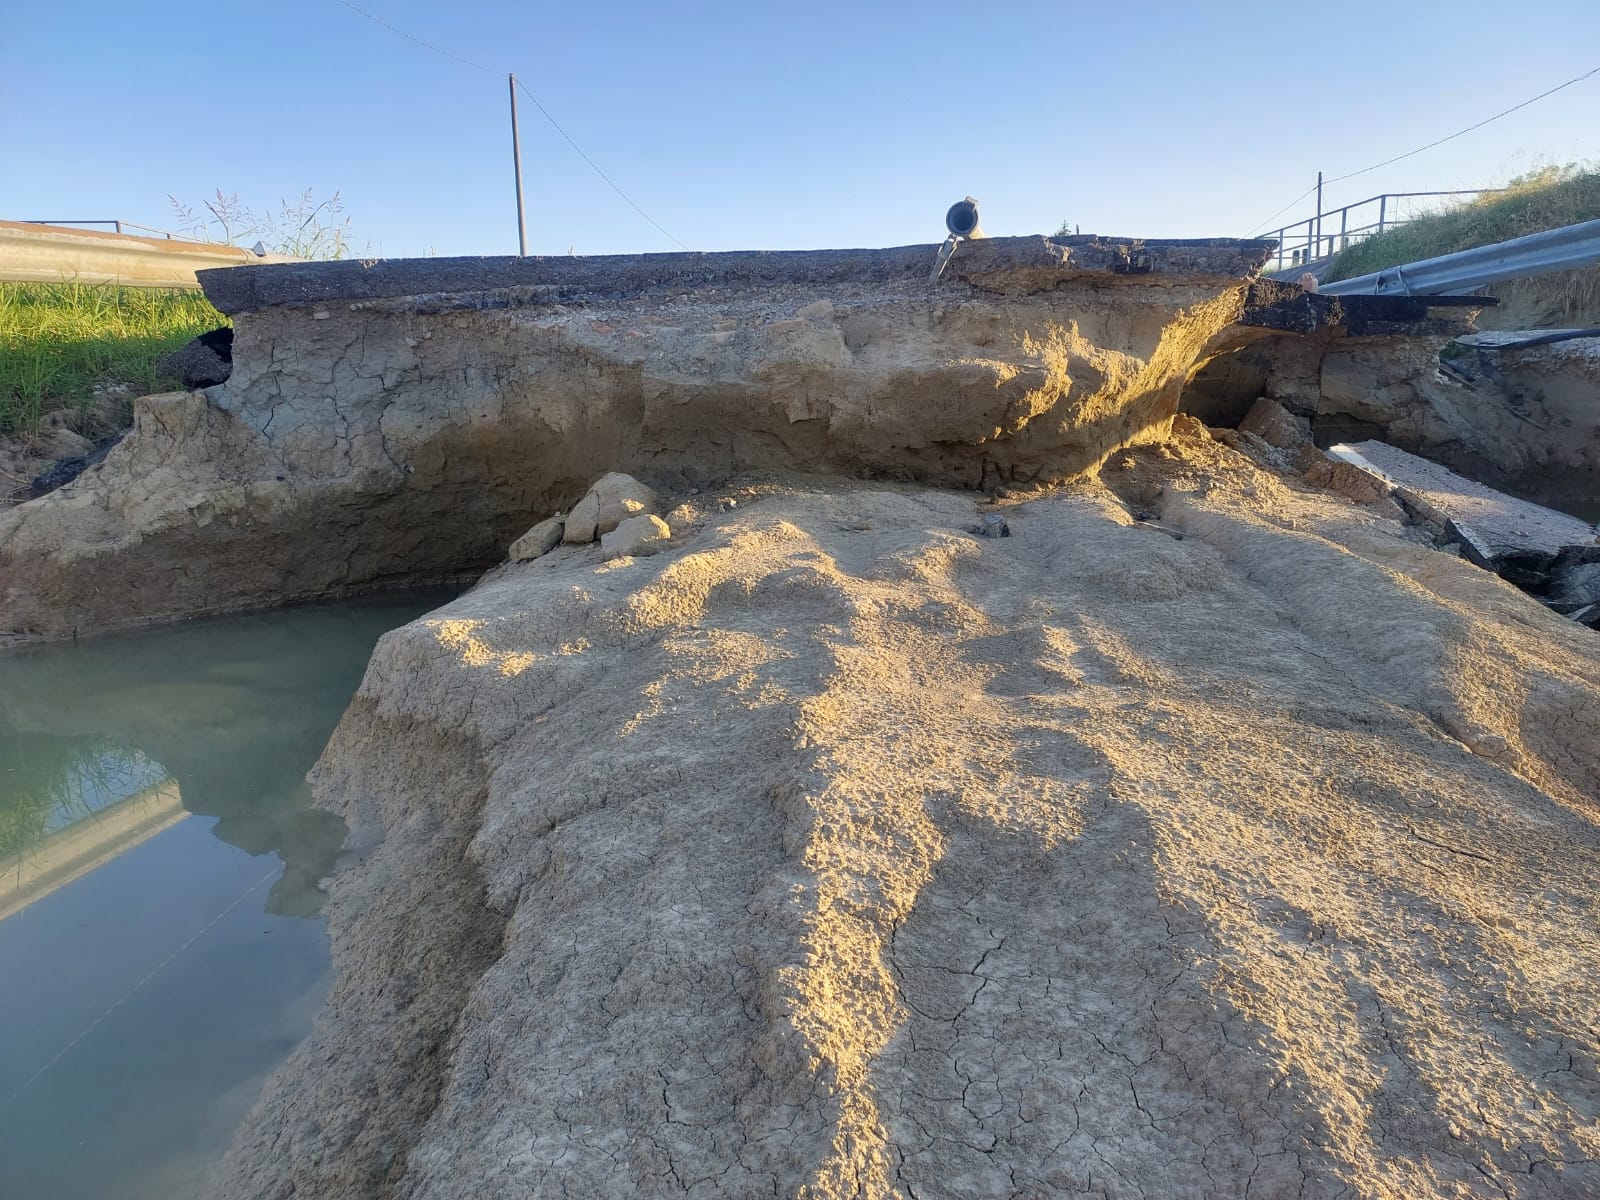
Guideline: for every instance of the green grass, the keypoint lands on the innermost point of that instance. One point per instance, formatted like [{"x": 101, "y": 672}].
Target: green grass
[
  {"x": 1544, "y": 199},
  {"x": 57, "y": 340}
]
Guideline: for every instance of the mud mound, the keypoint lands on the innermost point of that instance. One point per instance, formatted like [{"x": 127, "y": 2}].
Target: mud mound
[{"x": 836, "y": 852}]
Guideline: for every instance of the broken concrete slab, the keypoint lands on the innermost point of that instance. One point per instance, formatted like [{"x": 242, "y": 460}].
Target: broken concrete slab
[
  {"x": 1511, "y": 537},
  {"x": 1006, "y": 264},
  {"x": 1274, "y": 304},
  {"x": 201, "y": 362}
]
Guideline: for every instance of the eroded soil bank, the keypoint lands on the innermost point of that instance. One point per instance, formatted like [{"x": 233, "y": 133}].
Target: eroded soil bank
[
  {"x": 1515, "y": 410},
  {"x": 837, "y": 852},
  {"x": 401, "y": 421}
]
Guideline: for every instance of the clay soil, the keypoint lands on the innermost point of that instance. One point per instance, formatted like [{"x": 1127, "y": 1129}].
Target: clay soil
[{"x": 1250, "y": 851}]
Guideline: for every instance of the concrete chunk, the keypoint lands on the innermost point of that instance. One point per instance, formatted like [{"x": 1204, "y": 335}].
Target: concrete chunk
[
  {"x": 538, "y": 541},
  {"x": 1496, "y": 531},
  {"x": 636, "y": 536},
  {"x": 1276, "y": 425}
]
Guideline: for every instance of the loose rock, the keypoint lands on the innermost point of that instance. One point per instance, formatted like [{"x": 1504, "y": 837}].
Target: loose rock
[
  {"x": 580, "y": 525},
  {"x": 1276, "y": 425},
  {"x": 991, "y": 525},
  {"x": 646, "y": 534},
  {"x": 538, "y": 541},
  {"x": 612, "y": 499},
  {"x": 620, "y": 497}
]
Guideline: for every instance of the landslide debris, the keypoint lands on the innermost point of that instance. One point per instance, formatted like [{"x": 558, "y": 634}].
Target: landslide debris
[{"x": 836, "y": 851}]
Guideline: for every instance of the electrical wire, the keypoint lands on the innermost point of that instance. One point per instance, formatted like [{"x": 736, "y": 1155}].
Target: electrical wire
[
  {"x": 1263, "y": 224},
  {"x": 151, "y": 974},
  {"x": 1452, "y": 137},
  {"x": 544, "y": 112},
  {"x": 592, "y": 163},
  {"x": 398, "y": 32}
]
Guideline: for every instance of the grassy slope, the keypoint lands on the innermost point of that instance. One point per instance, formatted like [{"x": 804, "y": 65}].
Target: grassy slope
[
  {"x": 57, "y": 340},
  {"x": 1546, "y": 199}
]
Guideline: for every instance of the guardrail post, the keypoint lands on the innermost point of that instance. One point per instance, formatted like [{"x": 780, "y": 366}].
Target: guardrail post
[{"x": 1318, "y": 253}]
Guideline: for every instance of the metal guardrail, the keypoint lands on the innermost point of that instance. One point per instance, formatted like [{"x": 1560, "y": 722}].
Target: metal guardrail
[
  {"x": 118, "y": 227},
  {"x": 1331, "y": 231},
  {"x": 1564, "y": 249},
  {"x": 35, "y": 253}
]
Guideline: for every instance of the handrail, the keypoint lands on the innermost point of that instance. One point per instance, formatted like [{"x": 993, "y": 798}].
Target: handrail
[
  {"x": 116, "y": 225},
  {"x": 1304, "y": 241}
]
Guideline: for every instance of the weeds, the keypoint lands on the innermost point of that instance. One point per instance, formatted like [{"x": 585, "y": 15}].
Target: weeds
[
  {"x": 58, "y": 340},
  {"x": 51, "y": 782},
  {"x": 302, "y": 228}
]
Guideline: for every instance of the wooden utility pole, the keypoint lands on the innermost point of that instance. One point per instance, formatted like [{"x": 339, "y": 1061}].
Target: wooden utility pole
[{"x": 516, "y": 163}]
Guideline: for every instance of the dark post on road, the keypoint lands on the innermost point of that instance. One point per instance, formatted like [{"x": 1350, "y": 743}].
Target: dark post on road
[
  {"x": 516, "y": 163},
  {"x": 1317, "y": 254}
]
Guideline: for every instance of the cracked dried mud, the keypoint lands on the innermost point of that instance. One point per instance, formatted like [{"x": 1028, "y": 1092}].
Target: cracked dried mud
[{"x": 835, "y": 852}]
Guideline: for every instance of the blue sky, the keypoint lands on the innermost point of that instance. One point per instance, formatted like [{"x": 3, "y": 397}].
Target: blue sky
[{"x": 777, "y": 125}]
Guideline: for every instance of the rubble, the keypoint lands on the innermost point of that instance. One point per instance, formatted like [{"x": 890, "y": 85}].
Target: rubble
[{"x": 1542, "y": 551}]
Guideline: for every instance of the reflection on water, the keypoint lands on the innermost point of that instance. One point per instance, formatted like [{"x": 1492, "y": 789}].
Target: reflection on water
[{"x": 160, "y": 950}]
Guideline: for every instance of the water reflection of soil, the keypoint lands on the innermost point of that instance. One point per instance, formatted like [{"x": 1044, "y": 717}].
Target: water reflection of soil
[
  {"x": 158, "y": 854},
  {"x": 233, "y": 711}
]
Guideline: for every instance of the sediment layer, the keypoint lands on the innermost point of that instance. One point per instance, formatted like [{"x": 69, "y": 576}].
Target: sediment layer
[{"x": 400, "y": 421}]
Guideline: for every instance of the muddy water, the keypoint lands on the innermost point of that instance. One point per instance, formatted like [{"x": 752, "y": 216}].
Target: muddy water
[{"x": 161, "y": 944}]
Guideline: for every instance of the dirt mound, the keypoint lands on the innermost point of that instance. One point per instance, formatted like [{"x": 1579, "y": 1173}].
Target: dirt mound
[{"x": 838, "y": 852}]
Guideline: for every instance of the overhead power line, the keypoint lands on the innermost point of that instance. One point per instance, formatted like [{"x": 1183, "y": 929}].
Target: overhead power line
[
  {"x": 398, "y": 32},
  {"x": 544, "y": 112},
  {"x": 1452, "y": 137},
  {"x": 591, "y": 162}
]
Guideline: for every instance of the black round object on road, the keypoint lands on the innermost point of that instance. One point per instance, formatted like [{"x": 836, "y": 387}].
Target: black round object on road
[{"x": 962, "y": 218}]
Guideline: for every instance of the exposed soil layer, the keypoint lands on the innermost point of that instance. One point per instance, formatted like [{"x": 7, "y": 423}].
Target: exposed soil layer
[
  {"x": 402, "y": 421},
  {"x": 1249, "y": 851},
  {"x": 1520, "y": 418}
]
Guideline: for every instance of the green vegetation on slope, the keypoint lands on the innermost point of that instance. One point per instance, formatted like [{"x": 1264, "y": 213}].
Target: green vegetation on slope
[
  {"x": 57, "y": 340},
  {"x": 1543, "y": 199}
]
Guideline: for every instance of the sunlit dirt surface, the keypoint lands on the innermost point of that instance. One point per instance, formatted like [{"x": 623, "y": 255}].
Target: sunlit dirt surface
[{"x": 838, "y": 852}]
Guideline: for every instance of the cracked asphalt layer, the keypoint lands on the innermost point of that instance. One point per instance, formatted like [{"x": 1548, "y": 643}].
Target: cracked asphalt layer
[{"x": 838, "y": 853}]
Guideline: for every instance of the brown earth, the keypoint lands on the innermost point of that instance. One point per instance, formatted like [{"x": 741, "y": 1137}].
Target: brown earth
[
  {"x": 375, "y": 431},
  {"x": 837, "y": 852}
]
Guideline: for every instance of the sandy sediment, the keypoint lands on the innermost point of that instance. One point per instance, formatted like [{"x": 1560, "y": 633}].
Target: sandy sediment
[{"x": 837, "y": 852}]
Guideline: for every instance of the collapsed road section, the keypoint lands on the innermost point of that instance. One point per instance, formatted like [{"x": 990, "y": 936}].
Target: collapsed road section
[{"x": 390, "y": 422}]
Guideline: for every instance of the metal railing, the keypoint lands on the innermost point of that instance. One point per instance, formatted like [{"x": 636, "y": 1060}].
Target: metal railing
[
  {"x": 1326, "y": 233},
  {"x": 1566, "y": 249},
  {"x": 36, "y": 252},
  {"x": 119, "y": 227}
]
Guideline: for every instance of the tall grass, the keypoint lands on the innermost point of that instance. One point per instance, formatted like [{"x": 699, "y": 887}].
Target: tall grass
[
  {"x": 1545, "y": 199},
  {"x": 58, "y": 340}
]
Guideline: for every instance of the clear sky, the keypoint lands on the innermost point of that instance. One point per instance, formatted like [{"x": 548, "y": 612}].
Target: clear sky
[{"x": 756, "y": 124}]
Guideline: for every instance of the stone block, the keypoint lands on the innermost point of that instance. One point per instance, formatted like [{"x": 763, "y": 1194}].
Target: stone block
[
  {"x": 636, "y": 536},
  {"x": 538, "y": 541}
]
